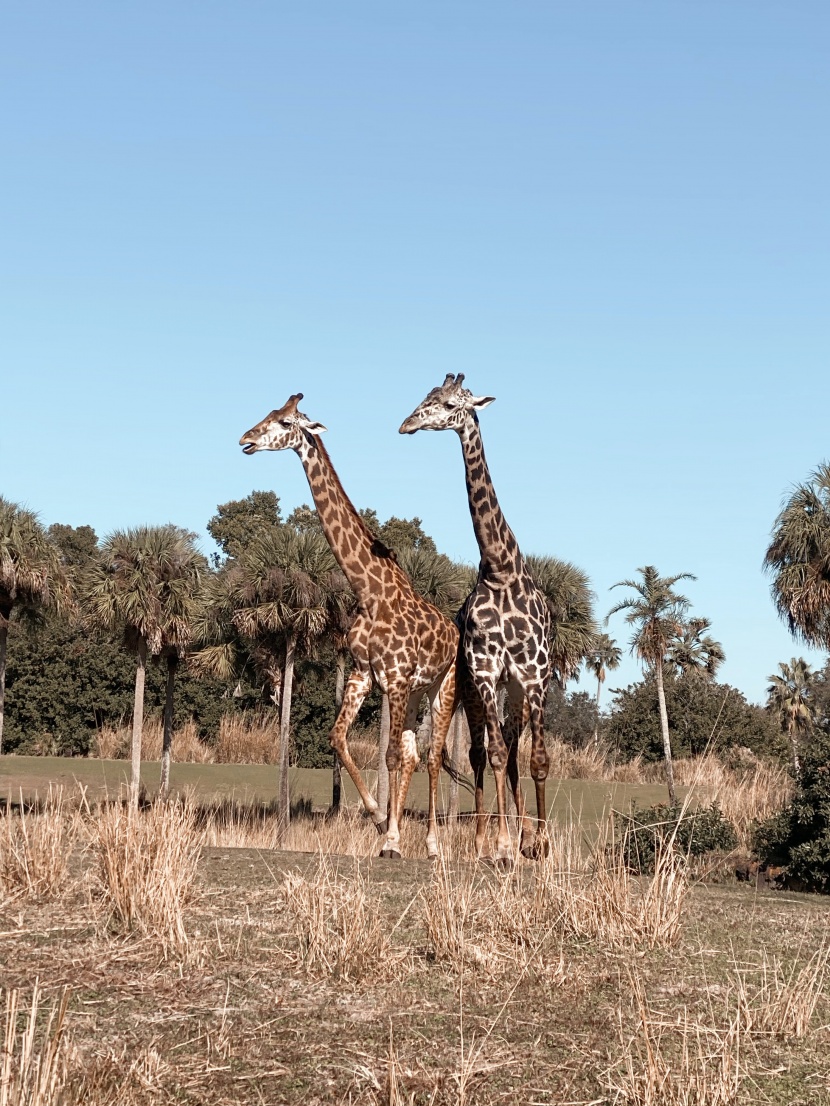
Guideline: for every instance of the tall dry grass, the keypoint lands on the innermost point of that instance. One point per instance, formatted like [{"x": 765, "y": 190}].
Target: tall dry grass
[
  {"x": 675, "y": 1063},
  {"x": 146, "y": 867},
  {"x": 249, "y": 738},
  {"x": 35, "y": 846},
  {"x": 337, "y": 928},
  {"x": 113, "y": 743},
  {"x": 33, "y": 1065},
  {"x": 778, "y": 1002}
]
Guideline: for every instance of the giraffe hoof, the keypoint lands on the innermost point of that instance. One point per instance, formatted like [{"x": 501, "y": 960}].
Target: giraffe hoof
[
  {"x": 536, "y": 850},
  {"x": 390, "y": 854},
  {"x": 381, "y": 827}
]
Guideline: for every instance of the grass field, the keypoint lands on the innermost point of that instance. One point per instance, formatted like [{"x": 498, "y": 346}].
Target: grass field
[
  {"x": 258, "y": 783},
  {"x": 177, "y": 971}
]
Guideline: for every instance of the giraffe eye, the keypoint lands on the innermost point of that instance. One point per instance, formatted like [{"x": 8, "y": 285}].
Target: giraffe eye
[{"x": 286, "y": 423}]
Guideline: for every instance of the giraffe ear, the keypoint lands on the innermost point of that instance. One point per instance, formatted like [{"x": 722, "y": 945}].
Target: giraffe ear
[
  {"x": 315, "y": 427},
  {"x": 480, "y": 402}
]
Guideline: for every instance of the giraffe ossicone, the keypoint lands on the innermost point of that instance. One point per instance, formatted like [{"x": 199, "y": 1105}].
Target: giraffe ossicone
[
  {"x": 398, "y": 640},
  {"x": 505, "y": 631}
]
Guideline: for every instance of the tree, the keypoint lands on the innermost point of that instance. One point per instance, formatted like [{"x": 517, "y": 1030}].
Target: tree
[
  {"x": 238, "y": 522},
  {"x": 703, "y": 714},
  {"x": 656, "y": 612},
  {"x": 791, "y": 698},
  {"x": 798, "y": 559},
  {"x": 285, "y": 589},
  {"x": 570, "y": 600},
  {"x": 78, "y": 545},
  {"x": 693, "y": 652},
  {"x": 148, "y": 583},
  {"x": 604, "y": 657},
  {"x": 31, "y": 577}
]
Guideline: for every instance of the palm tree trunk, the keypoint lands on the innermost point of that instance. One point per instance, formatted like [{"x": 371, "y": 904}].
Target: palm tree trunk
[
  {"x": 596, "y": 725},
  {"x": 4, "y": 636},
  {"x": 336, "y": 773},
  {"x": 794, "y": 746},
  {"x": 664, "y": 726},
  {"x": 167, "y": 739},
  {"x": 284, "y": 804},
  {"x": 383, "y": 745},
  {"x": 138, "y": 722}
]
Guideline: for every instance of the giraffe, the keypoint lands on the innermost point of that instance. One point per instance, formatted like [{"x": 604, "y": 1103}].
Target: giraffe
[
  {"x": 505, "y": 630},
  {"x": 398, "y": 639}
]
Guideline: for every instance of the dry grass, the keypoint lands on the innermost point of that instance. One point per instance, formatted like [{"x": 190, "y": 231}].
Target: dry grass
[
  {"x": 146, "y": 865},
  {"x": 782, "y": 1003},
  {"x": 33, "y": 1063},
  {"x": 678, "y": 1062},
  {"x": 248, "y": 739},
  {"x": 113, "y": 743},
  {"x": 35, "y": 846},
  {"x": 336, "y": 927}
]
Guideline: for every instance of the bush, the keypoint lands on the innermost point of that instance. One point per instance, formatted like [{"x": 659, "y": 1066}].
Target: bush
[
  {"x": 799, "y": 837},
  {"x": 643, "y": 834}
]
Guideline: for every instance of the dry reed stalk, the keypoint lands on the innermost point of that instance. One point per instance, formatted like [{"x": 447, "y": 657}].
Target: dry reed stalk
[
  {"x": 35, "y": 847},
  {"x": 679, "y": 1063},
  {"x": 779, "y": 1003},
  {"x": 337, "y": 929},
  {"x": 33, "y": 1065},
  {"x": 146, "y": 866},
  {"x": 364, "y": 752},
  {"x": 248, "y": 738}
]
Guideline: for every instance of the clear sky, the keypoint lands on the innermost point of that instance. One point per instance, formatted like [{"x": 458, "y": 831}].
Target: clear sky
[{"x": 611, "y": 216}]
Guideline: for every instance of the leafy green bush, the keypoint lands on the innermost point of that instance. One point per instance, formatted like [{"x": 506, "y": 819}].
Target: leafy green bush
[
  {"x": 691, "y": 832},
  {"x": 798, "y": 838}
]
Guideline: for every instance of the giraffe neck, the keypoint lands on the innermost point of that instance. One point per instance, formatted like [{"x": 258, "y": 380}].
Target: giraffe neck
[
  {"x": 358, "y": 552},
  {"x": 500, "y": 554}
]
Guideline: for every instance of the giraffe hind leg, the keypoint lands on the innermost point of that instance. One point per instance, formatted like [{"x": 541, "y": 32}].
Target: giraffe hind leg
[{"x": 401, "y": 760}]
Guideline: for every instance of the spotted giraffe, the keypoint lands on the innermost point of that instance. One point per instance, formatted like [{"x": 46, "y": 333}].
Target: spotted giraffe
[
  {"x": 398, "y": 639},
  {"x": 505, "y": 632}
]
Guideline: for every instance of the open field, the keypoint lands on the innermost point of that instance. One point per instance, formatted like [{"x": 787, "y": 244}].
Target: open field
[
  {"x": 288, "y": 977},
  {"x": 412, "y": 995},
  {"x": 587, "y": 799}
]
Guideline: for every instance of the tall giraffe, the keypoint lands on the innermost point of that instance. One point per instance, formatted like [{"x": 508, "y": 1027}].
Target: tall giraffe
[
  {"x": 398, "y": 639},
  {"x": 505, "y": 628}
]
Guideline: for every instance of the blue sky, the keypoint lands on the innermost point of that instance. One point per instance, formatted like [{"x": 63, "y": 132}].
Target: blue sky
[{"x": 611, "y": 216}]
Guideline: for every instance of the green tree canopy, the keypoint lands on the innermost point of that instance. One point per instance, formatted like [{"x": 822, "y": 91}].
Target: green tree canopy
[
  {"x": 238, "y": 522},
  {"x": 798, "y": 560}
]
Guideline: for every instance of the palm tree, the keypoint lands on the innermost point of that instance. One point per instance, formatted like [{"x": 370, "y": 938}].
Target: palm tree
[
  {"x": 571, "y": 603},
  {"x": 148, "y": 582},
  {"x": 798, "y": 558},
  {"x": 791, "y": 697},
  {"x": 694, "y": 653},
  {"x": 284, "y": 588},
  {"x": 31, "y": 577},
  {"x": 604, "y": 657},
  {"x": 656, "y": 612}
]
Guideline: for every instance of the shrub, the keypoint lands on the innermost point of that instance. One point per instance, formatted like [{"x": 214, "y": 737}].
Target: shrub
[
  {"x": 643, "y": 834},
  {"x": 799, "y": 836}
]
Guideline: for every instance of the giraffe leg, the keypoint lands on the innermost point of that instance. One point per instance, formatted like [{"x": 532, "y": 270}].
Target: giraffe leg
[
  {"x": 442, "y": 701},
  {"x": 497, "y": 751},
  {"x": 356, "y": 690},
  {"x": 539, "y": 771},
  {"x": 474, "y": 709},
  {"x": 401, "y": 760},
  {"x": 514, "y": 725}
]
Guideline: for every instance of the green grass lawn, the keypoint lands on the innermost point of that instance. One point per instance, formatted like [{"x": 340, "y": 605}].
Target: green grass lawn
[{"x": 584, "y": 799}]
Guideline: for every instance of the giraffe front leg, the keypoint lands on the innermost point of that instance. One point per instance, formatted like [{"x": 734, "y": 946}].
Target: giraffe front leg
[
  {"x": 516, "y": 721},
  {"x": 539, "y": 763},
  {"x": 442, "y": 703},
  {"x": 497, "y": 749},
  {"x": 401, "y": 759},
  {"x": 474, "y": 711},
  {"x": 356, "y": 690}
]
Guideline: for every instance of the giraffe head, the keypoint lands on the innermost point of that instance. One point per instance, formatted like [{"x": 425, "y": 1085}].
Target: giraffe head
[
  {"x": 445, "y": 408},
  {"x": 286, "y": 428}
]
